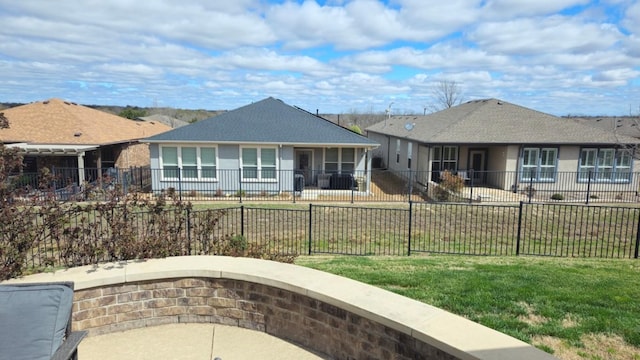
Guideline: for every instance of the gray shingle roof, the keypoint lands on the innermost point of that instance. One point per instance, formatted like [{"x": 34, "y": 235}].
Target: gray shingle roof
[
  {"x": 266, "y": 121},
  {"x": 493, "y": 121},
  {"x": 621, "y": 125}
]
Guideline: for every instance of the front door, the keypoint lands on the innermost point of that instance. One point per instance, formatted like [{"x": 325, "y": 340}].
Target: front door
[
  {"x": 304, "y": 165},
  {"x": 477, "y": 164}
]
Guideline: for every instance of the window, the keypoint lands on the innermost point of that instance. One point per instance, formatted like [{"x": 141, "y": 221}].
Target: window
[
  {"x": 409, "y": 151},
  {"x": 169, "y": 162},
  {"x": 444, "y": 158},
  {"x": 450, "y": 158},
  {"x": 268, "y": 163},
  {"x": 340, "y": 160},
  {"x": 539, "y": 164},
  {"x": 348, "y": 162},
  {"x": 605, "y": 165},
  {"x": 548, "y": 164},
  {"x": 587, "y": 164},
  {"x": 208, "y": 163},
  {"x": 259, "y": 164},
  {"x": 189, "y": 163},
  {"x": 192, "y": 163},
  {"x": 398, "y": 151},
  {"x": 331, "y": 163}
]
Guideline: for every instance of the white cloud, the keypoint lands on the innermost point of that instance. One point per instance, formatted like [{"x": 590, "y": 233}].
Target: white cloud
[
  {"x": 632, "y": 18},
  {"x": 553, "y": 34},
  {"x": 343, "y": 54},
  {"x": 508, "y": 9}
]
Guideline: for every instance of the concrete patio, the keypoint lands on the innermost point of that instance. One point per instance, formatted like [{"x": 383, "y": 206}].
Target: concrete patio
[{"x": 190, "y": 342}]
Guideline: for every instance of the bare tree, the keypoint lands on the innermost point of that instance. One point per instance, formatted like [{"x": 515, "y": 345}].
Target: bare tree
[{"x": 446, "y": 94}]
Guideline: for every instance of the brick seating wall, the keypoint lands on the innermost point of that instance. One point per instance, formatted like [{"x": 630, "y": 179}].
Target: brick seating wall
[{"x": 308, "y": 322}]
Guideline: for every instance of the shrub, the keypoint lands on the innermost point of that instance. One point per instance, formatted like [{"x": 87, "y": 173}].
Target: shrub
[
  {"x": 557, "y": 197},
  {"x": 529, "y": 191},
  {"x": 449, "y": 185},
  {"x": 47, "y": 233}
]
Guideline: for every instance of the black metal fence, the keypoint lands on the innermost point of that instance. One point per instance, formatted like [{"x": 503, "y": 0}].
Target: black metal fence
[
  {"x": 538, "y": 229},
  {"x": 73, "y": 184},
  {"x": 375, "y": 186}
]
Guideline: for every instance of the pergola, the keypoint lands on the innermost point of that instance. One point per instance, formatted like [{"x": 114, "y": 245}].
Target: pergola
[{"x": 57, "y": 150}]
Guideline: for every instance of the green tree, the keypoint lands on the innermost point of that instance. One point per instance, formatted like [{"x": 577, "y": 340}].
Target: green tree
[
  {"x": 355, "y": 129},
  {"x": 132, "y": 113}
]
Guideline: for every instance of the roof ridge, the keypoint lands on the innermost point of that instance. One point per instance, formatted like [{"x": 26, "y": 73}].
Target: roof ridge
[{"x": 460, "y": 119}]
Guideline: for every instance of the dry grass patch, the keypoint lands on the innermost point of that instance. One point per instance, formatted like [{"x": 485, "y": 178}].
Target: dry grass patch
[
  {"x": 596, "y": 347},
  {"x": 531, "y": 317}
]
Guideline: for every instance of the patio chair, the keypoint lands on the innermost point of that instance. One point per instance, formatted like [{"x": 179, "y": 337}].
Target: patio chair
[{"x": 35, "y": 322}]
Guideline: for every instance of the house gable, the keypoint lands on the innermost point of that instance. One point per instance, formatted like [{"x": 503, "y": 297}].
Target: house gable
[{"x": 269, "y": 121}]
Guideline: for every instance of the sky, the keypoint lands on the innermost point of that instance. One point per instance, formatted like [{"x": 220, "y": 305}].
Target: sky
[{"x": 563, "y": 57}]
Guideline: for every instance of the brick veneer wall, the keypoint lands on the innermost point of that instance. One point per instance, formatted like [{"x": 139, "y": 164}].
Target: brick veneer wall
[
  {"x": 309, "y": 322},
  {"x": 133, "y": 154}
]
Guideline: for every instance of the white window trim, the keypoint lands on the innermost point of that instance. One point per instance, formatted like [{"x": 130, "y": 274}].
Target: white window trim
[
  {"x": 340, "y": 162},
  {"x": 595, "y": 168},
  {"x": 259, "y": 169},
  {"x": 538, "y": 165},
  {"x": 453, "y": 161},
  {"x": 198, "y": 164}
]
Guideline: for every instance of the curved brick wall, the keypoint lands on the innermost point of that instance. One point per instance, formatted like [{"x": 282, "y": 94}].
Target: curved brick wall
[{"x": 329, "y": 314}]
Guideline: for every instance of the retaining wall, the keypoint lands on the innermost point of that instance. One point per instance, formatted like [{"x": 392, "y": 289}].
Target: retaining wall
[{"x": 329, "y": 314}]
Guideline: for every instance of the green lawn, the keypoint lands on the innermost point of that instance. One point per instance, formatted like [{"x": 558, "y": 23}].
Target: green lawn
[{"x": 574, "y": 308}]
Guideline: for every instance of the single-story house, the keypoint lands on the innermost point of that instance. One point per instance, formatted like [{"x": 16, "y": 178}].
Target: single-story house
[
  {"x": 264, "y": 147},
  {"x": 62, "y": 134},
  {"x": 498, "y": 144}
]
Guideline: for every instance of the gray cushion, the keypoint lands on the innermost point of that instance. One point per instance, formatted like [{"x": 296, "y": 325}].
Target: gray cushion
[{"x": 33, "y": 320}]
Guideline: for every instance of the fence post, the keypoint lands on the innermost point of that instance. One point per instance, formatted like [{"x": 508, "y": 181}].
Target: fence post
[
  {"x": 636, "y": 253},
  {"x": 518, "y": 237},
  {"x": 353, "y": 180},
  {"x": 294, "y": 188},
  {"x": 180, "y": 184},
  {"x": 589, "y": 186},
  {"x": 188, "y": 211},
  {"x": 471, "y": 175},
  {"x": 410, "y": 187},
  {"x": 530, "y": 188},
  {"x": 410, "y": 222},
  {"x": 242, "y": 220},
  {"x": 240, "y": 184},
  {"x": 310, "y": 227}
]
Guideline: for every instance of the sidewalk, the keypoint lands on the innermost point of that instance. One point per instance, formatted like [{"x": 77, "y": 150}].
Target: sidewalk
[{"x": 190, "y": 342}]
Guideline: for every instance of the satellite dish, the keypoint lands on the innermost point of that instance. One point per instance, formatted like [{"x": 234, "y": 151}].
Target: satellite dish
[{"x": 409, "y": 126}]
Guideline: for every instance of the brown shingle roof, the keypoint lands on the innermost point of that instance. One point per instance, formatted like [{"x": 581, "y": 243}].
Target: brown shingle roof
[
  {"x": 56, "y": 121},
  {"x": 493, "y": 121}
]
